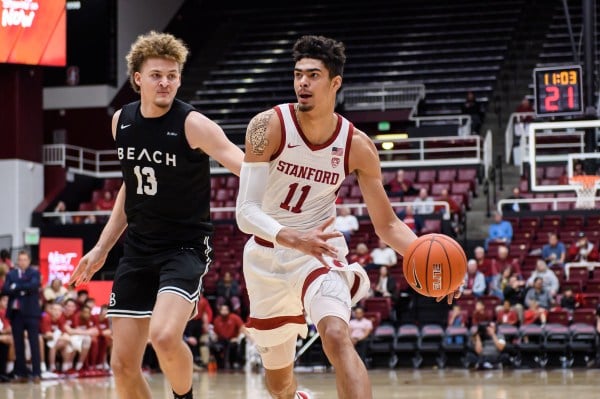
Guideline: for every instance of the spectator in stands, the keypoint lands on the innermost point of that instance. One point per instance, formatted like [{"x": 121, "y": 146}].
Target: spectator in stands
[
  {"x": 515, "y": 206},
  {"x": 549, "y": 279},
  {"x": 230, "y": 331},
  {"x": 55, "y": 339},
  {"x": 487, "y": 347},
  {"x": 22, "y": 285},
  {"x": 400, "y": 186},
  {"x": 7, "y": 349},
  {"x": 407, "y": 215},
  {"x": 228, "y": 292},
  {"x": 383, "y": 255},
  {"x": 61, "y": 207},
  {"x": 70, "y": 313},
  {"x": 474, "y": 280},
  {"x": 568, "y": 301},
  {"x": 484, "y": 264},
  {"x": 106, "y": 202},
  {"x": 525, "y": 106},
  {"x": 472, "y": 107},
  {"x": 507, "y": 314},
  {"x": 554, "y": 252},
  {"x": 423, "y": 204},
  {"x": 360, "y": 330},
  {"x": 456, "y": 318},
  {"x": 480, "y": 314},
  {"x": 535, "y": 314},
  {"x": 84, "y": 338},
  {"x": 500, "y": 231},
  {"x": 455, "y": 211},
  {"x": 197, "y": 330},
  {"x": 82, "y": 296},
  {"x": 582, "y": 250},
  {"x": 4, "y": 268},
  {"x": 539, "y": 294},
  {"x": 502, "y": 261},
  {"x": 386, "y": 285},
  {"x": 502, "y": 280},
  {"x": 346, "y": 222},
  {"x": 104, "y": 339},
  {"x": 514, "y": 292},
  {"x": 55, "y": 292},
  {"x": 5, "y": 258},
  {"x": 361, "y": 255}
]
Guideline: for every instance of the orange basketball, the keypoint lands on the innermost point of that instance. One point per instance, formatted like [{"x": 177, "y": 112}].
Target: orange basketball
[{"x": 434, "y": 265}]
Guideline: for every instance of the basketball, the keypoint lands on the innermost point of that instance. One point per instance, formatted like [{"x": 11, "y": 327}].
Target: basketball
[{"x": 434, "y": 265}]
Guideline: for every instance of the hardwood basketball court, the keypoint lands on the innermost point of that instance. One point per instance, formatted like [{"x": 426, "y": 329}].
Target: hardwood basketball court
[{"x": 387, "y": 384}]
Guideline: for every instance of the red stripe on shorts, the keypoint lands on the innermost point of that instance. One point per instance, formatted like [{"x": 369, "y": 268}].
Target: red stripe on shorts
[{"x": 274, "y": 322}]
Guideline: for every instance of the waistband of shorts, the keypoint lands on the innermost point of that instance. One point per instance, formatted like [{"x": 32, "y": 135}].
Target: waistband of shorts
[{"x": 263, "y": 242}]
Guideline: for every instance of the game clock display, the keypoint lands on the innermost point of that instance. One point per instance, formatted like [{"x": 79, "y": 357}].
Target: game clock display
[{"x": 558, "y": 90}]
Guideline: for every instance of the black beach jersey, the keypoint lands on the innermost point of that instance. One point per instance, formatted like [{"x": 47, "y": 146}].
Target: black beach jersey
[{"x": 167, "y": 182}]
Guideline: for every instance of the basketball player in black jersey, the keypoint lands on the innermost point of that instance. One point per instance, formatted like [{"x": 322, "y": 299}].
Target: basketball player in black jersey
[{"x": 163, "y": 145}]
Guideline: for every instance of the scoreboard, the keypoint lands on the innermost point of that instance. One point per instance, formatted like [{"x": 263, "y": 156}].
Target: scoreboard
[{"x": 558, "y": 90}]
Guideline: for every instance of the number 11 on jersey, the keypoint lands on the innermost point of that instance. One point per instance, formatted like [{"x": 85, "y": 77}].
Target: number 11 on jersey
[{"x": 303, "y": 194}]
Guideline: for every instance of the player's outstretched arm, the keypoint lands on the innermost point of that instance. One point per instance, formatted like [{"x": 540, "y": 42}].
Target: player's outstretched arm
[
  {"x": 95, "y": 258},
  {"x": 364, "y": 160},
  {"x": 203, "y": 133}
]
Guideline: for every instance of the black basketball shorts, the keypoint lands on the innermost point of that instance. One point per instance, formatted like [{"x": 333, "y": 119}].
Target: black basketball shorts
[{"x": 139, "y": 280}]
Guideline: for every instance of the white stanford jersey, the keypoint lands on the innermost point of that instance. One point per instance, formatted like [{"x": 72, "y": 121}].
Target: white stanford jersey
[{"x": 304, "y": 178}]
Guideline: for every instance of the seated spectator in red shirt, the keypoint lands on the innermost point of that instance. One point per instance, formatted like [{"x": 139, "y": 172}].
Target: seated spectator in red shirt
[
  {"x": 535, "y": 314},
  {"x": 484, "y": 265},
  {"x": 229, "y": 329},
  {"x": 361, "y": 255},
  {"x": 502, "y": 260},
  {"x": 6, "y": 341},
  {"x": 52, "y": 329},
  {"x": 196, "y": 332},
  {"x": 582, "y": 250},
  {"x": 106, "y": 202},
  {"x": 399, "y": 186},
  {"x": 507, "y": 315},
  {"x": 454, "y": 207},
  {"x": 104, "y": 339},
  {"x": 415, "y": 223},
  {"x": 85, "y": 330}
]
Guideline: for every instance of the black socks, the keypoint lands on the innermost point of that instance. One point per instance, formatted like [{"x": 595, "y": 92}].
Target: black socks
[{"x": 188, "y": 395}]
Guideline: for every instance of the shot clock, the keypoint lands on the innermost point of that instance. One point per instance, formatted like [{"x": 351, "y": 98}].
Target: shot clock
[{"x": 558, "y": 91}]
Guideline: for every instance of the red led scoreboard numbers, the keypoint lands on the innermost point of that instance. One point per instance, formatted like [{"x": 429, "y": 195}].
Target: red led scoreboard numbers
[{"x": 558, "y": 91}]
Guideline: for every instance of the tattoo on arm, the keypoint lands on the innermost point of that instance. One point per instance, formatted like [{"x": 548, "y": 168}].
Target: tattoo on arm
[{"x": 257, "y": 132}]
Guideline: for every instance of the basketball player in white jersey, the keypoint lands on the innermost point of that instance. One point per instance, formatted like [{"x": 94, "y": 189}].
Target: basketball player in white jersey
[{"x": 297, "y": 156}]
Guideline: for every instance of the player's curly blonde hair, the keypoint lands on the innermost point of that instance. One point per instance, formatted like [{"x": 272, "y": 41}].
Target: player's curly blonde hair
[{"x": 154, "y": 44}]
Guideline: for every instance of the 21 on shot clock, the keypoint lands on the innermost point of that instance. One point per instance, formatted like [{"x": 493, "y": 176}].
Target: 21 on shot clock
[{"x": 558, "y": 91}]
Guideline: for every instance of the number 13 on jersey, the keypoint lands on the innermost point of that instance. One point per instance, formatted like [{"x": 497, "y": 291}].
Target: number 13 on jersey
[{"x": 146, "y": 180}]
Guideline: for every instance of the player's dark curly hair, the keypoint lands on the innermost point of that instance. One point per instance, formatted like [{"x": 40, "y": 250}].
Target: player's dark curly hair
[{"x": 330, "y": 51}]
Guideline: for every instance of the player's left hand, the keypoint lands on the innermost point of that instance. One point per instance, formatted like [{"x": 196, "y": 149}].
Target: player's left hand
[{"x": 451, "y": 296}]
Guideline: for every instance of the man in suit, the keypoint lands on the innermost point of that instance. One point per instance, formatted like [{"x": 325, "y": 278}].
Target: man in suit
[{"x": 23, "y": 285}]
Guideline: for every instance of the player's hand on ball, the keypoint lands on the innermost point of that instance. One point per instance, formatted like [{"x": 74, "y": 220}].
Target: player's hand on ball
[{"x": 451, "y": 296}]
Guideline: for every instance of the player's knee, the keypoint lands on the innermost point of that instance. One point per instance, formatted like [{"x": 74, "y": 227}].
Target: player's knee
[
  {"x": 124, "y": 366},
  {"x": 165, "y": 340},
  {"x": 334, "y": 335}
]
